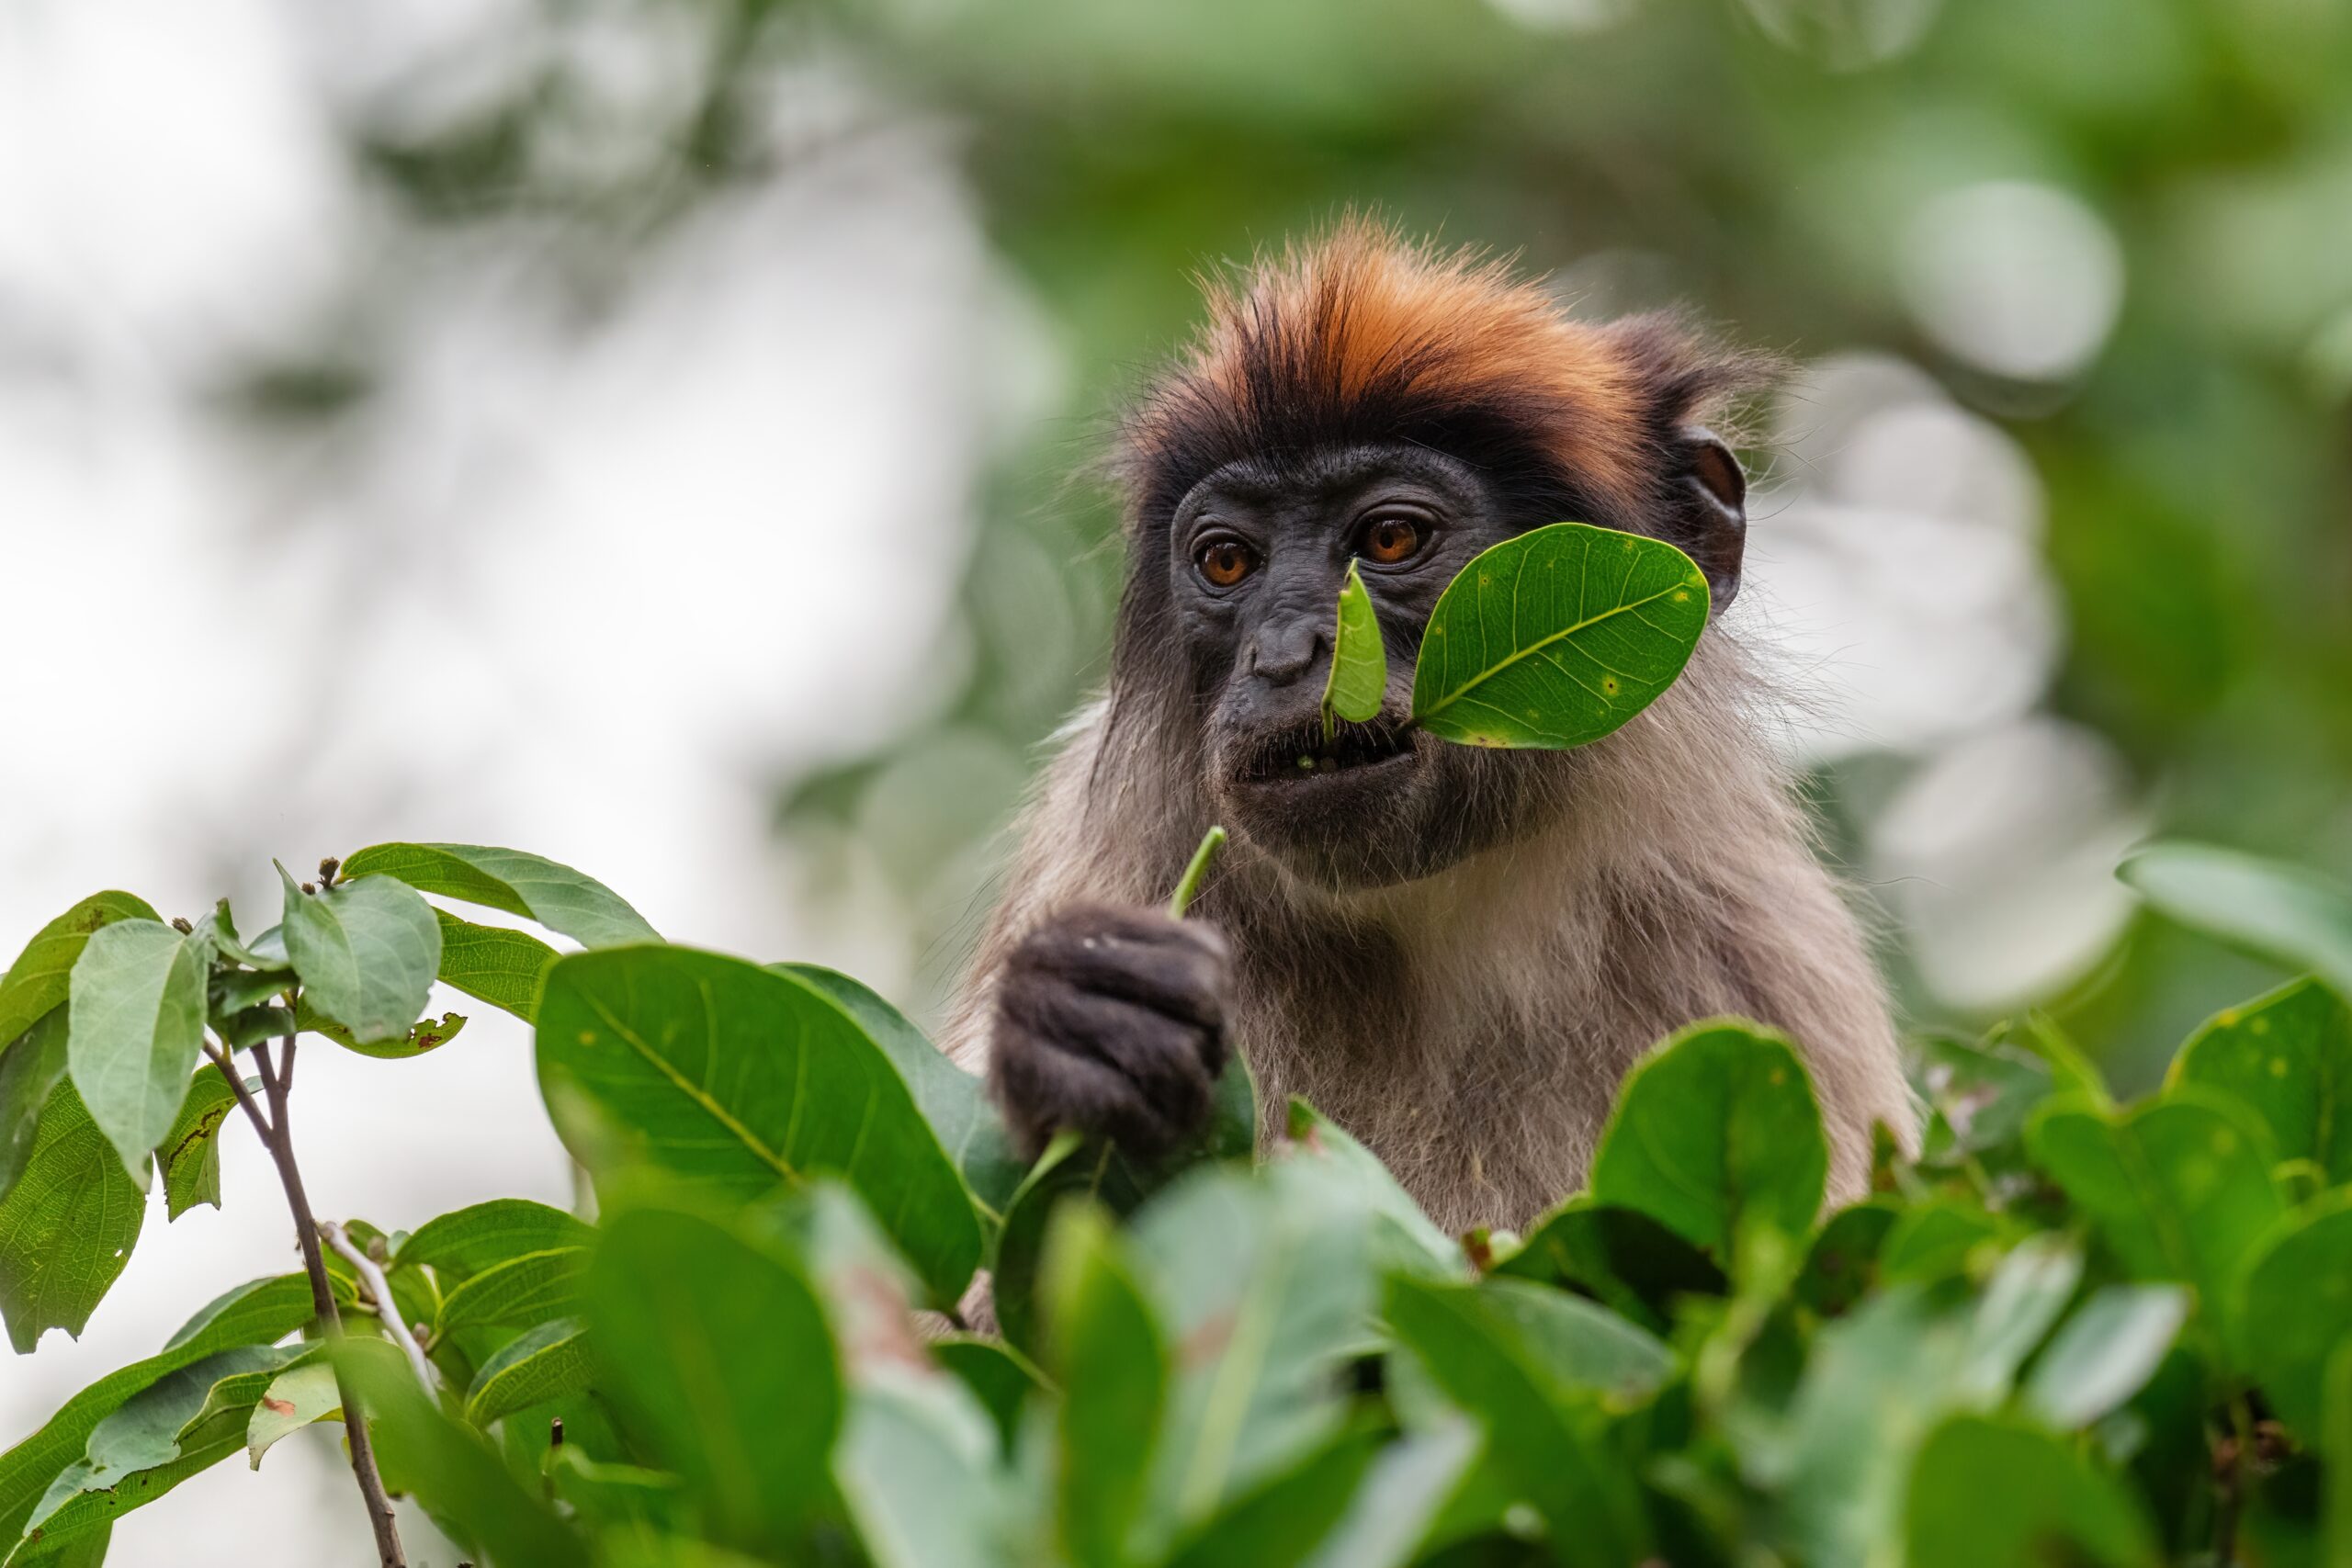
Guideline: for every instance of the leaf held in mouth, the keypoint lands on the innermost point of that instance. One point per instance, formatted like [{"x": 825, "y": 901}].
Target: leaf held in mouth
[{"x": 1359, "y": 676}]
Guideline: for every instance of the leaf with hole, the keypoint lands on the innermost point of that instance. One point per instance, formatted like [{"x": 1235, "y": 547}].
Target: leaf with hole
[
  {"x": 1557, "y": 637},
  {"x": 68, "y": 1225},
  {"x": 190, "y": 1153}
]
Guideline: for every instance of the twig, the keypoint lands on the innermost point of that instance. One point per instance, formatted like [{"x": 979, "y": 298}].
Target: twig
[
  {"x": 278, "y": 1138},
  {"x": 1212, "y": 841},
  {"x": 387, "y": 1311}
]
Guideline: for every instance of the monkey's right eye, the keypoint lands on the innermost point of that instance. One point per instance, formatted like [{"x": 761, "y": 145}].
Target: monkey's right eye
[{"x": 1224, "y": 562}]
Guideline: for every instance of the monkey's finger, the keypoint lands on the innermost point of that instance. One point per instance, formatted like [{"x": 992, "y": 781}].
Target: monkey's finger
[
  {"x": 1162, "y": 1055},
  {"x": 1043, "y": 1089},
  {"x": 1177, "y": 968}
]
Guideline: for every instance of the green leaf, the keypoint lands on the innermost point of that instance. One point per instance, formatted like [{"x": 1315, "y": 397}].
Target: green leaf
[
  {"x": 1279, "y": 1522},
  {"x": 1550, "y": 1447},
  {"x": 368, "y": 952},
  {"x": 1843, "y": 1262},
  {"x": 32, "y": 1067},
  {"x": 556, "y": 897},
  {"x": 1714, "y": 1131},
  {"x": 1108, "y": 1353},
  {"x": 2294, "y": 1306},
  {"x": 38, "y": 981},
  {"x": 2336, "y": 1450},
  {"x": 1262, "y": 1282},
  {"x": 999, "y": 1377},
  {"x": 1939, "y": 1236},
  {"x": 1582, "y": 1348},
  {"x": 494, "y": 965},
  {"x": 190, "y": 1152},
  {"x": 1623, "y": 1257},
  {"x": 256, "y": 1314},
  {"x": 954, "y": 1101},
  {"x": 736, "y": 1077},
  {"x": 295, "y": 1399},
  {"x": 182, "y": 1422},
  {"x": 134, "y": 1030},
  {"x": 1359, "y": 677},
  {"x": 1405, "y": 1237},
  {"x": 67, "y": 1227},
  {"x": 1069, "y": 1167},
  {"x": 2288, "y": 1056},
  {"x": 521, "y": 1293},
  {"x": 2105, "y": 1353},
  {"x": 1400, "y": 1499},
  {"x": 464, "y": 1242},
  {"x": 425, "y": 1034},
  {"x": 545, "y": 1363},
  {"x": 461, "y": 1481},
  {"x": 2277, "y": 911},
  {"x": 1557, "y": 637},
  {"x": 916, "y": 1467},
  {"x": 669, "y": 1296},
  {"x": 1992, "y": 1491},
  {"x": 2180, "y": 1189}
]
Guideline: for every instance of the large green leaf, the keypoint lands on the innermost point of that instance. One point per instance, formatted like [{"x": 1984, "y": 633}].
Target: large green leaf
[
  {"x": 954, "y": 1101},
  {"x": 2282, "y": 912},
  {"x": 1986, "y": 1491},
  {"x": 736, "y": 1077},
  {"x": 1264, "y": 1282},
  {"x": 673, "y": 1299},
  {"x": 368, "y": 952},
  {"x": 1106, "y": 1351},
  {"x": 30, "y": 1068},
  {"x": 1621, "y": 1256},
  {"x": 548, "y": 1361},
  {"x": 556, "y": 897},
  {"x": 916, "y": 1467},
  {"x": 1714, "y": 1131},
  {"x": 1579, "y": 1348},
  {"x": 134, "y": 1030},
  {"x": 184, "y": 1421},
  {"x": 2288, "y": 1056},
  {"x": 1557, "y": 637},
  {"x": 259, "y": 1312},
  {"x": 465, "y": 1241},
  {"x": 2180, "y": 1189},
  {"x": 38, "y": 981},
  {"x": 2294, "y": 1305},
  {"x": 1550, "y": 1444},
  {"x": 1359, "y": 677},
  {"x": 190, "y": 1152},
  {"x": 521, "y": 1293},
  {"x": 494, "y": 965},
  {"x": 1405, "y": 1237},
  {"x": 67, "y": 1227}
]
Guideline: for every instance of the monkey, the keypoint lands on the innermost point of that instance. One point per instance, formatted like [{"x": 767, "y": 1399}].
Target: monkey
[{"x": 1456, "y": 953}]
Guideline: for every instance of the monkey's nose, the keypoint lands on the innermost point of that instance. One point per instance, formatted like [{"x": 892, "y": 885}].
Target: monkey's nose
[{"x": 1282, "y": 655}]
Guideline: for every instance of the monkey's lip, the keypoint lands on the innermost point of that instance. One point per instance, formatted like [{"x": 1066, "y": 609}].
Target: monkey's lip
[{"x": 1296, "y": 755}]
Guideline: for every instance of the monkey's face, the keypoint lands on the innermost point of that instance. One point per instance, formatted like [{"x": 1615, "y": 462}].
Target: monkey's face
[{"x": 1258, "y": 554}]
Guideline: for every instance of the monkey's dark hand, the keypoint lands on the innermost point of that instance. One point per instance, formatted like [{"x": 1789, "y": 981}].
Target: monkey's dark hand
[{"x": 1110, "y": 1021}]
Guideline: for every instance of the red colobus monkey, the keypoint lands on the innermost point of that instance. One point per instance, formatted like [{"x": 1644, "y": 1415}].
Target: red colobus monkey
[{"x": 1457, "y": 953}]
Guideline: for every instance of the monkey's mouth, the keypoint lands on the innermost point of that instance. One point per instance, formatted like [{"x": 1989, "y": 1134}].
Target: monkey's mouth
[{"x": 1301, "y": 752}]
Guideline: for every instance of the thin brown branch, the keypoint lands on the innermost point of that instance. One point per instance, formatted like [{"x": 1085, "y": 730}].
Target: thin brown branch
[{"x": 276, "y": 1136}]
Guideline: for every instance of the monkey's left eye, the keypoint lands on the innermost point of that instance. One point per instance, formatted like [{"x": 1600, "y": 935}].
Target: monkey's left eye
[
  {"x": 1392, "y": 537},
  {"x": 1225, "y": 561}
]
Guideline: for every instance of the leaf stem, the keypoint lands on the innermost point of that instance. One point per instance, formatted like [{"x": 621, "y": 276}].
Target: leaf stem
[
  {"x": 1182, "y": 900},
  {"x": 276, "y": 1079},
  {"x": 388, "y": 1312}
]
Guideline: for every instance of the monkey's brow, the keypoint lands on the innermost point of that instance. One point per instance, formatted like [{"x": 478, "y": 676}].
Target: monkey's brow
[{"x": 1264, "y": 477}]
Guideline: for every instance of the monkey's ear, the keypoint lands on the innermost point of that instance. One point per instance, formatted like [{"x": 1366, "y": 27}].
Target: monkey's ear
[{"x": 1710, "y": 510}]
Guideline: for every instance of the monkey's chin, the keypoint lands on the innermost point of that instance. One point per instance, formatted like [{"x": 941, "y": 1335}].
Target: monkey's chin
[{"x": 1342, "y": 829}]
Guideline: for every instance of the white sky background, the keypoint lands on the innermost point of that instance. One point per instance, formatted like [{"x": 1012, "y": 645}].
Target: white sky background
[{"x": 595, "y": 587}]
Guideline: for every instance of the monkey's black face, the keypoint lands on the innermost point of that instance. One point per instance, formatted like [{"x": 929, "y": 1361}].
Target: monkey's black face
[{"x": 1259, "y": 551}]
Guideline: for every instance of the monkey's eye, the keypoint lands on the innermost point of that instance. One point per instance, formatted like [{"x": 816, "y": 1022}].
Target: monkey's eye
[
  {"x": 1391, "y": 538},
  {"x": 1225, "y": 561}
]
